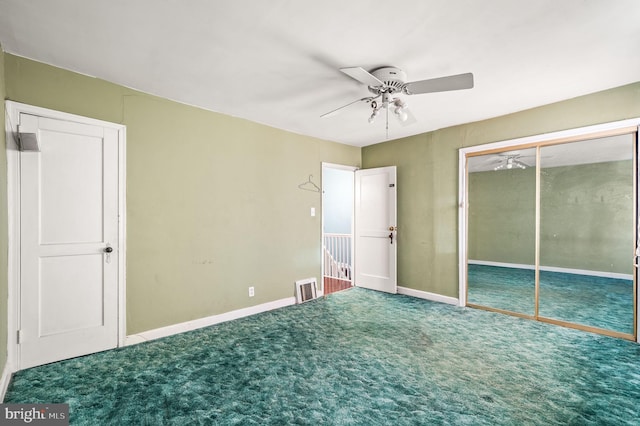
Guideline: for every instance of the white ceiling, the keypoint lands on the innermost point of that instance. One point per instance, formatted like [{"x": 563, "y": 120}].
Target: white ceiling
[{"x": 276, "y": 62}]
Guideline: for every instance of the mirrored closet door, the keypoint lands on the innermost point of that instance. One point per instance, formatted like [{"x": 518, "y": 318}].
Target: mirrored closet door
[
  {"x": 551, "y": 232},
  {"x": 587, "y": 233},
  {"x": 501, "y": 239}
]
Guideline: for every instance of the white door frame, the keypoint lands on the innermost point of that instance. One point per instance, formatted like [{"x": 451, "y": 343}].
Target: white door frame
[
  {"x": 462, "y": 186},
  {"x": 13, "y": 111}
]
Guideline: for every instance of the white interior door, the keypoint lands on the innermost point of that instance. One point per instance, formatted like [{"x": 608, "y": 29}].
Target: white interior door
[
  {"x": 68, "y": 225},
  {"x": 376, "y": 229}
]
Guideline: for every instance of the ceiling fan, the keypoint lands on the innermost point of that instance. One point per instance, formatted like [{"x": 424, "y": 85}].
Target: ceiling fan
[{"x": 386, "y": 82}]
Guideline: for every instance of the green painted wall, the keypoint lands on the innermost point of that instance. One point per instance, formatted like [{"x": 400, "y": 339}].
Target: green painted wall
[
  {"x": 586, "y": 216},
  {"x": 502, "y": 207},
  {"x": 4, "y": 226},
  {"x": 213, "y": 204},
  {"x": 428, "y": 177}
]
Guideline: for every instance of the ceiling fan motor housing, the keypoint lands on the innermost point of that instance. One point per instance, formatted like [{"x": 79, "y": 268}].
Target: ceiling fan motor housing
[{"x": 392, "y": 77}]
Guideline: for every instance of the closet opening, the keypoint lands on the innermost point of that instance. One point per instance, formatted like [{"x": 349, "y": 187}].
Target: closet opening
[{"x": 549, "y": 228}]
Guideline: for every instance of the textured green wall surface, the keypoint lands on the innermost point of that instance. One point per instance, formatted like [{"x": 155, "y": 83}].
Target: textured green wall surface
[
  {"x": 213, "y": 204},
  {"x": 586, "y": 219},
  {"x": 502, "y": 207},
  {"x": 4, "y": 226},
  {"x": 428, "y": 177}
]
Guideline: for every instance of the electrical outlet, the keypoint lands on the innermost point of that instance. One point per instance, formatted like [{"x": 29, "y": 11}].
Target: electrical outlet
[{"x": 252, "y": 291}]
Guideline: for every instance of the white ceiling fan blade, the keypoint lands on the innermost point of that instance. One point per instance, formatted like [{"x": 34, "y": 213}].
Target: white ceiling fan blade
[
  {"x": 442, "y": 84},
  {"x": 363, "y": 76},
  {"x": 337, "y": 110}
]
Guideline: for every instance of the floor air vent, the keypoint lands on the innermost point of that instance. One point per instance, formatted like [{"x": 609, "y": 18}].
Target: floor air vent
[{"x": 306, "y": 290}]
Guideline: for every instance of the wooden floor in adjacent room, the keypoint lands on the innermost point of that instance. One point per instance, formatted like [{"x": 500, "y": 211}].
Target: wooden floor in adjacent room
[{"x": 331, "y": 285}]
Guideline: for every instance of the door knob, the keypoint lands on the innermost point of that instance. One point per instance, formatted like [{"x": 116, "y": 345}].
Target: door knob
[
  {"x": 108, "y": 250},
  {"x": 393, "y": 228}
]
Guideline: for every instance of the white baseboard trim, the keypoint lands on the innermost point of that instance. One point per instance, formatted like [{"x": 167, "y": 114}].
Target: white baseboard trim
[
  {"x": 207, "y": 321},
  {"x": 427, "y": 295},
  {"x": 500, "y": 264},
  {"x": 5, "y": 380},
  {"x": 603, "y": 274}
]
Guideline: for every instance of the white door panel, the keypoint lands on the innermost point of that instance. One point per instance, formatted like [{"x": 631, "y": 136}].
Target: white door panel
[
  {"x": 69, "y": 215},
  {"x": 375, "y": 229},
  {"x": 61, "y": 275},
  {"x": 75, "y": 215}
]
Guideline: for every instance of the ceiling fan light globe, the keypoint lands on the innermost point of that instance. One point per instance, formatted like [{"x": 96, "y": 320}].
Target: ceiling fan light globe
[
  {"x": 399, "y": 103},
  {"x": 401, "y": 113}
]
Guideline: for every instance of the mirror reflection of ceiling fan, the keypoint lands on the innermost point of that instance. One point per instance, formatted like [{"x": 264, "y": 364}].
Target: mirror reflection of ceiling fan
[
  {"x": 511, "y": 161},
  {"x": 387, "y": 83},
  {"x": 516, "y": 160}
]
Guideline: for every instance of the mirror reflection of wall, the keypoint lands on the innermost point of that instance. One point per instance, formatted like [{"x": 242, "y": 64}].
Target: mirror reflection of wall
[{"x": 586, "y": 236}]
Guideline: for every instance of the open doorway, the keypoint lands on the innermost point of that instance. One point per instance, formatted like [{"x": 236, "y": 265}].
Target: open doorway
[{"x": 337, "y": 227}]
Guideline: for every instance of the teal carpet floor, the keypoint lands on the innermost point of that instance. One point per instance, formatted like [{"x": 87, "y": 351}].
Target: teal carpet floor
[
  {"x": 354, "y": 358},
  {"x": 594, "y": 301}
]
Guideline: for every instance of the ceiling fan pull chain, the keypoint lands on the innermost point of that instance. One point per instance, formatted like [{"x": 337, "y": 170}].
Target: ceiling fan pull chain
[{"x": 387, "y": 120}]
